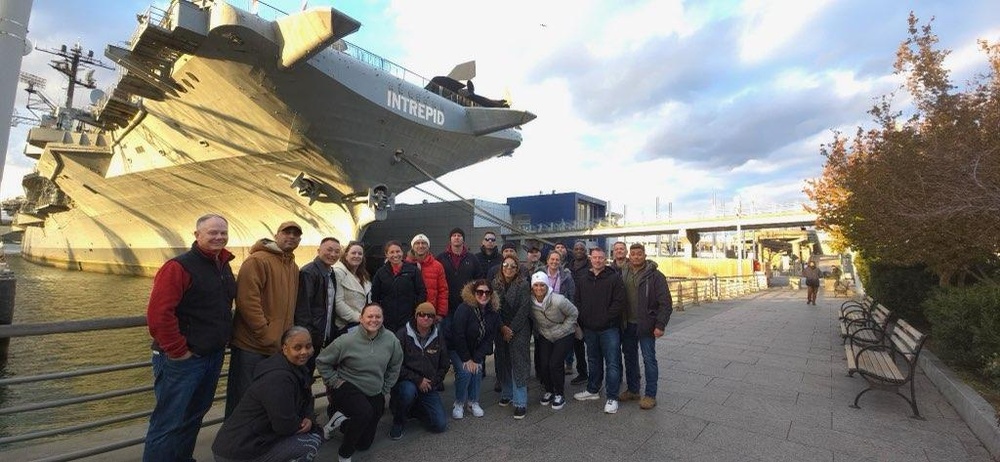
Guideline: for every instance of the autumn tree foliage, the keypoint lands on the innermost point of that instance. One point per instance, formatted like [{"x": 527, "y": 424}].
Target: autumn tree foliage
[{"x": 923, "y": 188}]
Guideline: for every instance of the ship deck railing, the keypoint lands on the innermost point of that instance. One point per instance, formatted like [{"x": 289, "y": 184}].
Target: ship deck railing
[{"x": 686, "y": 292}]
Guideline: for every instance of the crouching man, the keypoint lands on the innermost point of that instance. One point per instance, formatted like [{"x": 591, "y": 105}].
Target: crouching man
[{"x": 425, "y": 362}]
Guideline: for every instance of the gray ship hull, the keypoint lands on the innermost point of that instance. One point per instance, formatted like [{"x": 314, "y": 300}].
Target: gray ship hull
[{"x": 240, "y": 130}]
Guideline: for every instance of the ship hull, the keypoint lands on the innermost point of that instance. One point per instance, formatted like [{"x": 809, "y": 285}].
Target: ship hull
[{"x": 237, "y": 134}]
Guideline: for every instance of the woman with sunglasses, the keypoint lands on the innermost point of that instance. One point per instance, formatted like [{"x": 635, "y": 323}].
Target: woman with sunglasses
[
  {"x": 513, "y": 342},
  {"x": 470, "y": 339}
]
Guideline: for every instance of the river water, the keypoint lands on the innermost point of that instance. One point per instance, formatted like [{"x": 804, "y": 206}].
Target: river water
[{"x": 47, "y": 294}]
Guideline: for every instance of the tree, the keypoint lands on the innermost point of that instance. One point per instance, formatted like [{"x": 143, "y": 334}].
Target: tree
[{"x": 924, "y": 189}]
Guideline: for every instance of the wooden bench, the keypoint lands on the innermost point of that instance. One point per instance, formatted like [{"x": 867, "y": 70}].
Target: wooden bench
[
  {"x": 854, "y": 309},
  {"x": 868, "y": 327},
  {"x": 890, "y": 365}
]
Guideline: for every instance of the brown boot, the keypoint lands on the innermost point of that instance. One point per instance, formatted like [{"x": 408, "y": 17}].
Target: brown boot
[
  {"x": 647, "y": 402},
  {"x": 628, "y": 396}
]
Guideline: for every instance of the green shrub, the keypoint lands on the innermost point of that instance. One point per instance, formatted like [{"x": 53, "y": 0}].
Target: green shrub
[
  {"x": 966, "y": 327},
  {"x": 902, "y": 289}
]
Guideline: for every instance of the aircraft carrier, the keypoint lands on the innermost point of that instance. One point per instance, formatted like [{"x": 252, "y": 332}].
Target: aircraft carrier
[{"x": 219, "y": 110}]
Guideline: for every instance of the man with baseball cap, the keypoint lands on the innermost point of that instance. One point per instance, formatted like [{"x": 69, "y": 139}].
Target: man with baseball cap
[{"x": 266, "y": 290}]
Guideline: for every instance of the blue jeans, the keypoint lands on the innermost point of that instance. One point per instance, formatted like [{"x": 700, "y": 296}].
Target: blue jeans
[
  {"x": 517, "y": 395},
  {"x": 632, "y": 342},
  {"x": 405, "y": 394},
  {"x": 604, "y": 349},
  {"x": 466, "y": 384},
  {"x": 184, "y": 392}
]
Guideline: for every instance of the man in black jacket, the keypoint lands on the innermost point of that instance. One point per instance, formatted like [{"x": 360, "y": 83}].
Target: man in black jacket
[
  {"x": 425, "y": 363},
  {"x": 600, "y": 297},
  {"x": 317, "y": 290},
  {"x": 649, "y": 309}
]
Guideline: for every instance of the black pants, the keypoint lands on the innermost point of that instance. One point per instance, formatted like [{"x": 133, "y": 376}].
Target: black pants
[
  {"x": 552, "y": 356},
  {"x": 580, "y": 351},
  {"x": 363, "y": 414}
]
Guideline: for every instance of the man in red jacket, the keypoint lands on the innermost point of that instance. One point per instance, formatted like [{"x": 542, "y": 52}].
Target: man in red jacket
[
  {"x": 433, "y": 273},
  {"x": 190, "y": 321}
]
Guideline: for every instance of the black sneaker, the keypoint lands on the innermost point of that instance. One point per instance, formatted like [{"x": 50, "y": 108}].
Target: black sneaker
[
  {"x": 396, "y": 432},
  {"x": 558, "y": 402},
  {"x": 579, "y": 380},
  {"x": 546, "y": 399},
  {"x": 520, "y": 412},
  {"x": 504, "y": 402}
]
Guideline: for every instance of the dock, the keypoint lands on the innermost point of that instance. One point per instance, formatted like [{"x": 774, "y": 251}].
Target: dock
[{"x": 758, "y": 378}]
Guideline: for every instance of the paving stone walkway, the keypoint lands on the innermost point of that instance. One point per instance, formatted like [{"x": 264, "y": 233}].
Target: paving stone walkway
[{"x": 760, "y": 378}]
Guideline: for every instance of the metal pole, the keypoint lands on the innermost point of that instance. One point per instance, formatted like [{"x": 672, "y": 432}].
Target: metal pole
[{"x": 14, "y": 16}]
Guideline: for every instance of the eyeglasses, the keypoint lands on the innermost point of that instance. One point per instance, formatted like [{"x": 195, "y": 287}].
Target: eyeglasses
[
  {"x": 483, "y": 292},
  {"x": 510, "y": 265},
  {"x": 491, "y": 239},
  {"x": 425, "y": 315}
]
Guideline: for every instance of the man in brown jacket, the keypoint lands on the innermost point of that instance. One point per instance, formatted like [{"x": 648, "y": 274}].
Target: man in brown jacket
[{"x": 266, "y": 289}]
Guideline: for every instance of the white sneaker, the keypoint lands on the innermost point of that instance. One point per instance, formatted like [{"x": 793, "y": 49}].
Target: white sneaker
[
  {"x": 477, "y": 411},
  {"x": 586, "y": 395},
  {"x": 458, "y": 411},
  {"x": 611, "y": 407},
  {"x": 343, "y": 459},
  {"x": 336, "y": 420}
]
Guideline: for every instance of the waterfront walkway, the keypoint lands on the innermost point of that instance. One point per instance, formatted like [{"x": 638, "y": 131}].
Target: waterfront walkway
[{"x": 760, "y": 378}]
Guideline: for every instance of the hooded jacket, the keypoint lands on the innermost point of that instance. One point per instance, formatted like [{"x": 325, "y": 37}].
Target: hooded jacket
[
  {"x": 266, "y": 289},
  {"x": 398, "y": 294},
  {"x": 370, "y": 363},
  {"x": 428, "y": 362},
  {"x": 654, "y": 305},
  {"x": 465, "y": 337},
  {"x": 271, "y": 409},
  {"x": 554, "y": 317},
  {"x": 601, "y": 299},
  {"x": 434, "y": 281}
]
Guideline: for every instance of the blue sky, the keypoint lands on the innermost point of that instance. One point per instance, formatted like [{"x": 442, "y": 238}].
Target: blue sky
[{"x": 693, "y": 103}]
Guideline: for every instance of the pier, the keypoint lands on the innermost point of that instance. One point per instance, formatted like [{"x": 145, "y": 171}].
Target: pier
[{"x": 757, "y": 377}]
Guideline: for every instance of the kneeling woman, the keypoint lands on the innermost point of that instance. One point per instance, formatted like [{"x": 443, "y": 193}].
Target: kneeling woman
[
  {"x": 359, "y": 369},
  {"x": 273, "y": 420}
]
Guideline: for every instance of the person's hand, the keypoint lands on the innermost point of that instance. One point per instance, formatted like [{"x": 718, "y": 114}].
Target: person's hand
[
  {"x": 471, "y": 366},
  {"x": 425, "y": 385},
  {"x": 507, "y": 333},
  {"x": 657, "y": 333},
  {"x": 305, "y": 426}
]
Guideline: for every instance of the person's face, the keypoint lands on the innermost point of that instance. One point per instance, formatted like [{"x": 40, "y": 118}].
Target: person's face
[
  {"x": 456, "y": 240},
  {"x": 394, "y": 254},
  {"x": 561, "y": 249},
  {"x": 329, "y": 252},
  {"x": 420, "y": 248},
  {"x": 597, "y": 259},
  {"x": 288, "y": 239},
  {"x": 355, "y": 255},
  {"x": 637, "y": 257},
  {"x": 371, "y": 319},
  {"x": 212, "y": 234},
  {"x": 534, "y": 257},
  {"x": 425, "y": 320},
  {"x": 509, "y": 268},
  {"x": 554, "y": 260},
  {"x": 539, "y": 289},
  {"x": 298, "y": 348},
  {"x": 490, "y": 241},
  {"x": 483, "y": 294},
  {"x": 618, "y": 251},
  {"x": 812, "y": 264},
  {"x": 579, "y": 251},
  {"x": 508, "y": 253}
]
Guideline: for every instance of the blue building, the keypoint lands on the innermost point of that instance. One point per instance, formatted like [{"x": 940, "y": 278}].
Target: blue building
[{"x": 545, "y": 209}]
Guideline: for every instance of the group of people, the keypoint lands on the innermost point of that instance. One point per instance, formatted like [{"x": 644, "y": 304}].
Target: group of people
[{"x": 393, "y": 334}]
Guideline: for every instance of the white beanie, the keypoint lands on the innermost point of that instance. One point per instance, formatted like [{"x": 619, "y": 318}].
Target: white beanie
[
  {"x": 419, "y": 237},
  {"x": 540, "y": 277}
]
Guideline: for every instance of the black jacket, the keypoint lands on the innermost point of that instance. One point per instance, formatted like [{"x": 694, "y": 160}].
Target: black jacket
[
  {"x": 601, "y": 299},
  {"x": 468, "y": 270},
  {"x": 310, "y": 306},
  {"x": 488, "y": 261},
  {"x": 419, "y": 363},
  {"x": 271, "y": 409},
  {"x": 464, "y": 337},
  {"x": 654, "y": 303},
  {"x": 398, "y": 294}
]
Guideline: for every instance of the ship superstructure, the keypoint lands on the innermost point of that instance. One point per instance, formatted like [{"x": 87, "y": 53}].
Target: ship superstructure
[{"x": 219, "y": 110}]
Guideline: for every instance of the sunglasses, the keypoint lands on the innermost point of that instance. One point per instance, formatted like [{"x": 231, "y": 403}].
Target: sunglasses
[
  {"x": 491, "y": 239},
  {"x": 425, "y": 315},
  {"x": 483, "y": 292},
  {"x": 510, "y": 265}
]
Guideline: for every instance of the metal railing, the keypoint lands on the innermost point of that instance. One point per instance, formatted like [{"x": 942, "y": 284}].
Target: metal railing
[{"x": 695, "y": 291}]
